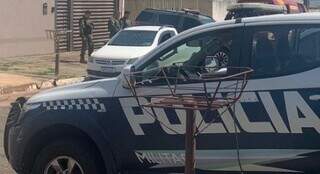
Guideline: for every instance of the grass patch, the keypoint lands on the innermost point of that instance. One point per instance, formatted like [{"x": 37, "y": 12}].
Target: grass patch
[
  {"x": 49, "y": 71},
  {"x": 4, "y": 68}
]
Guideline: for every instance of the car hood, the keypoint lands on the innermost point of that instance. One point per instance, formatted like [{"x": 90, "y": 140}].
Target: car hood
[
  {"x": 93, "y": 89},
  {"x": 121, "y": 52}
]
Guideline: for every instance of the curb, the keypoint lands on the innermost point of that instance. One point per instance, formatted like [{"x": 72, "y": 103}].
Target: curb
[{"x": 37, "y": 86}]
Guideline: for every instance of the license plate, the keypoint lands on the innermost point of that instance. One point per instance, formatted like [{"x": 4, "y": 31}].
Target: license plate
[{"x": 107, "y": 69}]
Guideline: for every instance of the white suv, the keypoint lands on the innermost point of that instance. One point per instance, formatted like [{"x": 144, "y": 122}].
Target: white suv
[{"x": 126, "y": 47}]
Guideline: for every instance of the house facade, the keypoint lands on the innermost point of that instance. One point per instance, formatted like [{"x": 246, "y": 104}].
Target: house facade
[
  {"x": 23, "y": 27},
  {"x": 24, "y": 24}
]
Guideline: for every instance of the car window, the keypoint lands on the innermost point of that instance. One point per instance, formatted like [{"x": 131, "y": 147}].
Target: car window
[
  {"x": 181, "y": 54},
  {"x": 166, "y": 19},
  {"x": 210, "y": 50},
  {"x": 284, "y": 50},
  {"x": 133, "y": 38},
  {"x": 145, "y": 17},
  {"x": 308, "y": 55},
  {"x": 189, "y": 23},
  {"x": 264, "y": 59}
]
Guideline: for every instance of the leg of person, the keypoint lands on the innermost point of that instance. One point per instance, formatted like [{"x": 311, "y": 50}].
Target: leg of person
[
  {"x": 90, "y": 45},
  {"x": 83, "y": 49}
]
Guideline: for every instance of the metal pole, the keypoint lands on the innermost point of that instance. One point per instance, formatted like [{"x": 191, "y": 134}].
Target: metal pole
[
  {"x": 56, "y": 42},
  {"x": 70, "y": 26},
  {"x": 57, "y": 45},
  {"x": 55, "y": 13},
  {"x": 190, "y": 142}
]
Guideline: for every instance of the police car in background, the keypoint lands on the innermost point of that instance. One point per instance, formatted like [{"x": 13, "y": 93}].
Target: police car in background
[
  {"x": 126, "y": 47},
  {"x": 97, "y": 127},
  {"x": 293, "y": 6},
  {"x": 241, "y": 10}
]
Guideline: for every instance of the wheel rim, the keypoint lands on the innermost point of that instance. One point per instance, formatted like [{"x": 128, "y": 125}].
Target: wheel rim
[
  {"x": 63, "y": 165},
  {"x": 222, "y": 57}
]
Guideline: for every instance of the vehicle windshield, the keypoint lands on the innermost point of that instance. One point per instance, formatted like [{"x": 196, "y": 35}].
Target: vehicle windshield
[{"x": 134, "y": 38}]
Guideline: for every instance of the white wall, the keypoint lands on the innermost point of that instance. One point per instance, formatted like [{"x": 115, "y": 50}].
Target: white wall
[{"x": 23, "y": 25}]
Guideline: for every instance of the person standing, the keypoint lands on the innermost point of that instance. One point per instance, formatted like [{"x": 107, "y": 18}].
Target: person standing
[
  {"x": 86, "y": 26},
  {"x": 114, "y": 25},
  {"x": 306, "y": 3},
  {"x": 124, "y": 21}
]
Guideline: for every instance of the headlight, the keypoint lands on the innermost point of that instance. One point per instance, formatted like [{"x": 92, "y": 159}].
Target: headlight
[
  {"x": 28, "y": 107},
  {"x": 91, "y": 59}
]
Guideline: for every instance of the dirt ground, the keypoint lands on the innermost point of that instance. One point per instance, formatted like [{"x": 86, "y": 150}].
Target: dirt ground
[
  {"x": 8, "y": 80},
  {"x": 15, "y": 71},
  {"x": 42, "y": 66}
]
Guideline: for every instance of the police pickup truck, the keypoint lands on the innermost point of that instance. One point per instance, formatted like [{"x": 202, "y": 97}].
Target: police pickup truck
[{"x": 97, "y": 127}]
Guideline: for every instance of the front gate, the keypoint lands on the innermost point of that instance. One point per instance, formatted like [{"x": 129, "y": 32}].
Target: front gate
[{"x": 68, "y": 14}]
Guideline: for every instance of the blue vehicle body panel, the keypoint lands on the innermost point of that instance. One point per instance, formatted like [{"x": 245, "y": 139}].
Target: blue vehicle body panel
[{"x": 263, "y": 143}]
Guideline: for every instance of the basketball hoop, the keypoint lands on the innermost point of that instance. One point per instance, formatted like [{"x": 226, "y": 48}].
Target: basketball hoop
[{"x": 189, "y": 88}]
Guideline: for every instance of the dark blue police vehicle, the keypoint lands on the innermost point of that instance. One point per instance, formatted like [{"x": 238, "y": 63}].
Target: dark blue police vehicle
[{"x": 98, "y": 127}]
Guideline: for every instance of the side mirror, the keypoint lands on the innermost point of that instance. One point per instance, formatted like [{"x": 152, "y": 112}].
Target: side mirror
[{"x": 125, "y": 76}]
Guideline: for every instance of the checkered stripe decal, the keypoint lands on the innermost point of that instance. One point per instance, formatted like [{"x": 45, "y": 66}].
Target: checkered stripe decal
[{"x": 75, "y": 104}]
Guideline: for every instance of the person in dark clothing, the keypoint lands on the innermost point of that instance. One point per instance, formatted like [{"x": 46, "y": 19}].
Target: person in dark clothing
[
  {"x": 306, "y": 3},
  {"x": 86, "y": 26},
  {"x": 124, "y": 21},
  {"x": 114, "y": 25}
]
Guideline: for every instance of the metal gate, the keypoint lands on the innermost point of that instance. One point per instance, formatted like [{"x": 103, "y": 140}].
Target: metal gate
[{"x": 68, "y": 14}]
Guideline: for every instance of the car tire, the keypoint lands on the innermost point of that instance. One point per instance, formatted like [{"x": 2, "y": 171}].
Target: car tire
[{"x": 57, "y": 156}]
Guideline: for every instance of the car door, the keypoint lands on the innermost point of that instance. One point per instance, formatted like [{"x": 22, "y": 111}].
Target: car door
[
  {"x": 279, "y": 114},
  {"x": 158, "y": 140}
]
